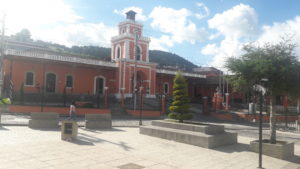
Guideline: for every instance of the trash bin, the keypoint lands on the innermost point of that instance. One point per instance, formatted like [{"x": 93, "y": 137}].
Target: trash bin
[
  {"x": 252, "y": 108},
  {"x": 69, "y": 130}
]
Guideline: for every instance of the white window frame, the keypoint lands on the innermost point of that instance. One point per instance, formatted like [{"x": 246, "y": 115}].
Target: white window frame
[{"x": 33, "y": 79}]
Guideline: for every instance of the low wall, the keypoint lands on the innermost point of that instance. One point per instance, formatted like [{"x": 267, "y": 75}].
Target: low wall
[
  {"x": 251, "y": 117},
  {"x": 145, "y": 113},
  {"x": 59, "y": 110}
]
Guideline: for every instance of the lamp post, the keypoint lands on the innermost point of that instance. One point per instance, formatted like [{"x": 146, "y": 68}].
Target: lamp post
[
  {"x": 122, "y": 97},
  {"x": 141, "y": 104},
  {"x": 262, "y": 91},
  {"x": 106, "y": 94}
]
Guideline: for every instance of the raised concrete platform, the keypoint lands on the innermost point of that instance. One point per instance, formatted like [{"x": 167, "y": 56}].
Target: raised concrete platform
[
  {"x": 45, "y": 120},
  {"x": 98, "y": 121},
  {"x": 203, "y": 135},
  {"x": 281, "y": 150}
]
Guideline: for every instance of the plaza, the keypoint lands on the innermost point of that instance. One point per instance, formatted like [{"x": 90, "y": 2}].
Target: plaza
[{"x": 123, "y": 148}]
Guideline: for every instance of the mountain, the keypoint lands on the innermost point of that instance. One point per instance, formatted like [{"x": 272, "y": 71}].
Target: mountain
[{"x": 163, "y": 59}]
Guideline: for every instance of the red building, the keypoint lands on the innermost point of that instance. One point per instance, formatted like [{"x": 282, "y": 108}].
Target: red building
[{"x": 33, "y": 70}]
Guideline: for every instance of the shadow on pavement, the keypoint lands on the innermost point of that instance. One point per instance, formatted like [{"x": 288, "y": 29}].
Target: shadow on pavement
[
  {"x": 42, "y": 129},
  {"x": 85, "y": 139},
  {"x": 82, "y": 141},
  {"x": 239, "y": 147},
  {"x": 100, "y": 130},
  {"x": 3, "y": 128}
]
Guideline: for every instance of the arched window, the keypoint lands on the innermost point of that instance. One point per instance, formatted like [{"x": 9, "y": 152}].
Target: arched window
[
  {"x": 69, "y": 81},
  {"x": 166, "y": 88},
  {"x": 139, "y": 53},
  {"x": 29, "y": 79},
  {"x": 50, "y": 82},
  {"x": 99, "y": 85},
  {"x": 118, "y": 52}
]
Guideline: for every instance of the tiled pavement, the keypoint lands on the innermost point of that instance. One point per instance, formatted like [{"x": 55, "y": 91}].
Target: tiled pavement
[{"x": 122, "y": 148}]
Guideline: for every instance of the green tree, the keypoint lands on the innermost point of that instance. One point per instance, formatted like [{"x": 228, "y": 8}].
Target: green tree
[
  {"x": 180, "y": 105},
  {"x": 275, "y": 62}
]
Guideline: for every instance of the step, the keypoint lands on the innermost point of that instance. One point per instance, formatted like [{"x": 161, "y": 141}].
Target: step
[
  {"x": 190, "y": 137},
  {"x": 199, "y": 127}
]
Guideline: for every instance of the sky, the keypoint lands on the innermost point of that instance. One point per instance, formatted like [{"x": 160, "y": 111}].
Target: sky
[{"x": 205, "y": 32}]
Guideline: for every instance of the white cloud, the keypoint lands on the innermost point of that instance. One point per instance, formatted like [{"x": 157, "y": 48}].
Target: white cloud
[
  {"x": 239, "y": 21},
  {"x": 54, "y": 21},
  {"x": 276, "y": 31},
  {"x": 36, "y": 13},
  {"x": 138, "y": 10},
  {"x": 175, "y": 23},
  {"x": 78, "y": 34},
  {"x": 210, "y": 49},
  {"x": 204, "y": 11},
  {"x": 161, "y": 43},
  {"x": 237, "y": 25}
]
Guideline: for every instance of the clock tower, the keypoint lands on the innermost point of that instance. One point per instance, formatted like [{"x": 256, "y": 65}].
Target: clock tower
[{"x": 130, "y": 51}]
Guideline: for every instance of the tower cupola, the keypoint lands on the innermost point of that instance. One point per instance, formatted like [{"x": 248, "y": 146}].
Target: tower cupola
[{"x": 130, "y": 15}]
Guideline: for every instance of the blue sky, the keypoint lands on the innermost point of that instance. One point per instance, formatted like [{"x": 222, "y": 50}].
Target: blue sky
[{"x": 204, "y": 32}]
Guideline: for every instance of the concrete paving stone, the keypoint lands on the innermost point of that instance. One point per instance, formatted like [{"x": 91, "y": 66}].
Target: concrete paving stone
[
  {"x": 100, "y": 166},
  {"x": 162, "y": 166},
  {"x": 146, "y": 163},
  {"x": 123, "y": 145},
  {"x": 122, "y": 161}
]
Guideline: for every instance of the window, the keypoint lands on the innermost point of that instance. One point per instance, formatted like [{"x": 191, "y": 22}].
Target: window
[
  {"x": 99, "y": 85},
  {"x": 139, "y": 53},
  {"x": 118, "y": 52},
  {"x": 166, "y": 88},
  {"x": 50, "y": 82},
  {"x": 69, "y": 81},
  {"x": 29, "y": 79}
]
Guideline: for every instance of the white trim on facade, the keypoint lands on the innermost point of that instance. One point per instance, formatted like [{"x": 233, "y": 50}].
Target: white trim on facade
[
  {"x": 170, "y": 72},
  {"x": 70, "y": 59}
]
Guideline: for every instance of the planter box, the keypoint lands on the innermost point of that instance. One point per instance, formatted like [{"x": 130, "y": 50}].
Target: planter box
[{"x": 281, "y": 150}]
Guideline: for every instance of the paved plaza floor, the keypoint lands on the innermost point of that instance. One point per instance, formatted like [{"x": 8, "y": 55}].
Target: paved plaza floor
[{"x": 122, "y": 148}]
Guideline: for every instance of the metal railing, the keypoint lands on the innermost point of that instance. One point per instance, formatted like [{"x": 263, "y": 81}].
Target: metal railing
[{"x": 289, "y": 126}]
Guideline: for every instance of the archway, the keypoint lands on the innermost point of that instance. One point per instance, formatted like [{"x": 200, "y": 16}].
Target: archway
[{"x": 140, "y": 77}]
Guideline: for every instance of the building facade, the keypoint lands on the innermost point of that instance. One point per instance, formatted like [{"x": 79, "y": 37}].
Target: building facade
[{"x": 34, "y": 69}]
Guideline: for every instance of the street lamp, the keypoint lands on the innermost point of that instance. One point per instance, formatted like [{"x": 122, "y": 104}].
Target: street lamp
[
  {"x": 262, "y": 91},
  {"x": 141, "y": 104},
  {"x": 106, "y": 95}
]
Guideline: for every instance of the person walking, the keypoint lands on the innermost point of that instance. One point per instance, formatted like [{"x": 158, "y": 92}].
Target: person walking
[{"x": 72, "y": 111}]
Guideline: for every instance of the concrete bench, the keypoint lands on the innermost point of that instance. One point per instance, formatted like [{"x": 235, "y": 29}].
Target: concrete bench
[
  {"x": 98, "y": 121},
  {"x": 205, "y": 135},
  {"x": 44, "y": 120},
  {"x": 201, "y": 127}
]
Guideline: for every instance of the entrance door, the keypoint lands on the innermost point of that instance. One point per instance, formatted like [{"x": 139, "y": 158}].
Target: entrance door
[
  {"x": 50, "y": 82},
  {"x": 99, "y": 84}
]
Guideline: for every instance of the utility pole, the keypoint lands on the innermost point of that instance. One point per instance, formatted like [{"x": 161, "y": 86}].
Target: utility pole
[
  {"x": 2, "y": 54},
  {"x": 135, "y": 67}
]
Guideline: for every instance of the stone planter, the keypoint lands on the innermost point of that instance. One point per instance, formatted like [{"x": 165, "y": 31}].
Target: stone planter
[{"x": 281, "y": 150}]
